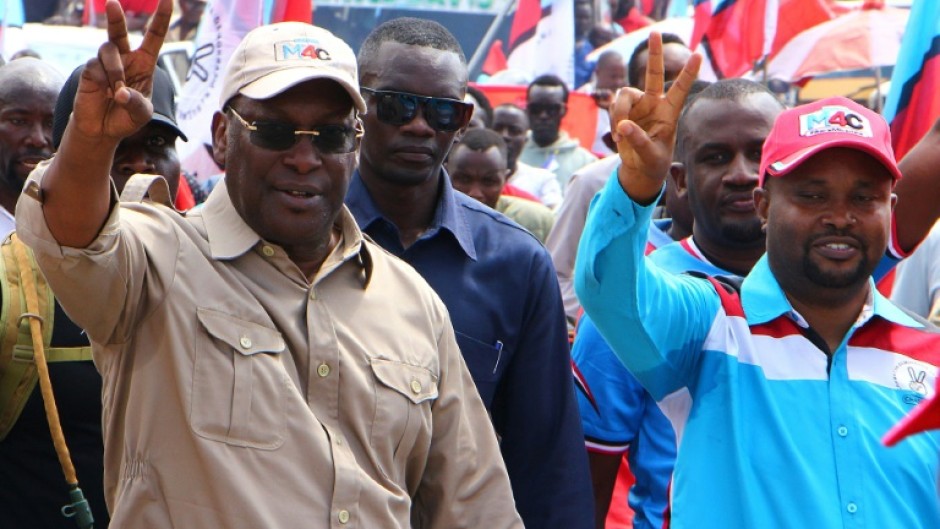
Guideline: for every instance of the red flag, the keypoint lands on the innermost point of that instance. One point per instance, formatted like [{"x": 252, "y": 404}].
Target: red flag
[
  {"x": 739, "y": 33},
  {"x": 524, "y": 23},
  {"x": 914, "y": 100},
  {"x": 702, "y": 17},
  {"x": 292, "y": 11},
  {"x": 795, "y": 16},
  {"x": 735, "y": 36},
  {"x": 495, "y": 59}
]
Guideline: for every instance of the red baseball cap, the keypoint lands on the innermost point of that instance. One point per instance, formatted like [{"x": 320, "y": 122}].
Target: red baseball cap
[
  {"x": 801, "y": 132},
  {"x": 925, "y": 416}
]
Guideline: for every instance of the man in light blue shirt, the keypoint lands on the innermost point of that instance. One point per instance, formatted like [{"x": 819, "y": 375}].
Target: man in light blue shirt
[{"x": 779, "y": 394}]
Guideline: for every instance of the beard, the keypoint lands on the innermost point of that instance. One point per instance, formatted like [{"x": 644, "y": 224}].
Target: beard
[
  {"x": 745, "y": 232},
  {"x": 837, "y": 279},
  {"x": 11, "y": 179}
]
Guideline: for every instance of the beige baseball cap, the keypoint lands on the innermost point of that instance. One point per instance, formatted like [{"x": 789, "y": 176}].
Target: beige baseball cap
[{"x": 273, "y": 58}]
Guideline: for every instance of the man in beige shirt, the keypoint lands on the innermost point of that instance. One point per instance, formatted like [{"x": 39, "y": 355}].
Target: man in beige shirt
[{"x": 264, "y": 365}]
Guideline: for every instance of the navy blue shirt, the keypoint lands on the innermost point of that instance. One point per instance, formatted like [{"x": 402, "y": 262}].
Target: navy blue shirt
[{"x": 499, "y": 285}]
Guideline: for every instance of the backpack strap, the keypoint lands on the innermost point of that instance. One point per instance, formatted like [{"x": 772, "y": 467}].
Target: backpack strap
[{"x": 18, "y": 375}]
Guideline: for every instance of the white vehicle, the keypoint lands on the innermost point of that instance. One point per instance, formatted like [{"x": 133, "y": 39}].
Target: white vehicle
[{"x": 67, "y": 47}]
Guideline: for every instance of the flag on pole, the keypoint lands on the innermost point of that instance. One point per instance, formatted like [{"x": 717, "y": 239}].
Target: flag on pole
[
  {"x": 737, "y": 34},
  {"x": 914, "y": 98},
  {"x": 223, "y": 25},
  {"x": 541, "y": 39}
]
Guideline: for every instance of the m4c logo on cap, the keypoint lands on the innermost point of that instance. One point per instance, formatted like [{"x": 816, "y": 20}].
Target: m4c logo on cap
[
  {"x": 300, "y": 49},
  {"x": 834, "y": 119}
]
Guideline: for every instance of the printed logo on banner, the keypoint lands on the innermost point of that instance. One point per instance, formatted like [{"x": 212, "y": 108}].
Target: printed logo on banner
[
  {"x": 295, "y": 49},
  {"x": 834, "y": 118}
]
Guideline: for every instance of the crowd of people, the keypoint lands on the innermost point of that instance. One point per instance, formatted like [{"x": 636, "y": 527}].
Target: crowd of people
[{"x": 402, "y": 306}]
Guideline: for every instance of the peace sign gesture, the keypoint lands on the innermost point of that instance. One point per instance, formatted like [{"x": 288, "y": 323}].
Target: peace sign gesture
[
  {"x": 644, "y": 125},
  {"x": 112, "y": 101}
]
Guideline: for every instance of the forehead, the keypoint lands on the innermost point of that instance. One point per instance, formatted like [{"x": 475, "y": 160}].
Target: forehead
[
  {"x": 675, "y": 56},
  {"x": 839, "y": 167},
  {"x": 741, "y": 121},
  {"x": 28, "y": 97},
  {"x": 315, "y": 99},
  {"x": 463, "y": 159},
  {"x": 509, "y": 116},
  {"x": 417, "y": 70},
  {"x": 546, "y": 94}
]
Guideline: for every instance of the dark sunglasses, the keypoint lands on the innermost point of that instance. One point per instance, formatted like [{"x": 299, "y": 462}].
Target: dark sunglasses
[
  {"x": 549, "y": 109},
  {"x": 441, "y": 113},
  {"x": 280, "y": 136}
]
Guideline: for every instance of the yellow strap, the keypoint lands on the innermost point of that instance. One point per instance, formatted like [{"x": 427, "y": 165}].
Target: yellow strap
[
  {"x": 17, "y": 369},
  {"x": 68, "y": 354},
  {"x": 48, "y": 399}
]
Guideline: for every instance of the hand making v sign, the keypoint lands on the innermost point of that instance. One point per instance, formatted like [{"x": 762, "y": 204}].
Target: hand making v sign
[
  {"x": 644, "y": 125},
  {"x": 112, "y": 103}
]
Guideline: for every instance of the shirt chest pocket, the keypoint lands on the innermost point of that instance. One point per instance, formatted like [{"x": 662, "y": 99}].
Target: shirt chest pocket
[
  {"x": 403, "y": 397},
  {"x": 240, "y": 389}
]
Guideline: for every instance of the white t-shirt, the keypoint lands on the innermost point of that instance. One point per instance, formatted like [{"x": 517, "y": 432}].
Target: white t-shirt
[
  {"x": 917, "y": 284},
  {"x": 540, "y": 182},
  {"x": 7, "y": 223}
]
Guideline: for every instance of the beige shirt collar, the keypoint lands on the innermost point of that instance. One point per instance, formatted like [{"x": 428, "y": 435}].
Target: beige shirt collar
[{"x": 230, "y": 236}]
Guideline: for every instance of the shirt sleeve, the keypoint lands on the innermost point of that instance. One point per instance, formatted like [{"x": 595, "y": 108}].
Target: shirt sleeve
[
  {"x": 465, "y": 484},
  {"x": 116, "y": 274},
  {"x": 562, "y": 241},
  {"x": 536, "y": 413},
  {"x": 610, "y": 399},
  {"x": 655, "y": 322}
]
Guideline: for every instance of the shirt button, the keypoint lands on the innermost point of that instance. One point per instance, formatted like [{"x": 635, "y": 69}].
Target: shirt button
[
  {"x": 313, "y": 294},
  {"x": 843, "y": 431},
  {"x": 323, "y": 370},
  {"x": 245, "y": 342},
  {"x": 343, "y": 516},
  {"x": 415, "y": 387},
  {"x": 852, "y": 508},
  {"x": 339, "y": 441},
  {"x": 267, "y": 251}
]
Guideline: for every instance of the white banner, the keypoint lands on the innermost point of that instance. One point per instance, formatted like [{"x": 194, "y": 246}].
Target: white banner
[
  {"x": 551, "y": 48},
  {"x": 223, "y": 25}
]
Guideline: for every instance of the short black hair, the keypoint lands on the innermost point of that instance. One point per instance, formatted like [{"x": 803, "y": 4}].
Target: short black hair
[
  {"x": 482, "y": 140},
  {"x": 410, "y": 31},
  {"x": 723, "y": 90},
  {"x": 634, "y": 71},
  {"x": 484, "y": 102},
  {"x": 548, "y": 80}
]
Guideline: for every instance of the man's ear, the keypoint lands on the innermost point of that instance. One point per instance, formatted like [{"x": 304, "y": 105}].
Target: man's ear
[
  {"x": 762, "y": 204},
  {"x": 564, "y": 109},
  {"x": 219, "y": 138},
  {"x": 894, "y": 196},
  {"x": 677, "y": 175}
]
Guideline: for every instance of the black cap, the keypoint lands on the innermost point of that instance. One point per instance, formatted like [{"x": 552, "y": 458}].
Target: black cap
[{"x": 164, "y": 104}]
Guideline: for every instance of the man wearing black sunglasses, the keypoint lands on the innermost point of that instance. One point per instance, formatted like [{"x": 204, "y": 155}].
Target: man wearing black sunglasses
[
  {"x": 548, "y": 146},
  {"x": 496, "y": 280},
  {"x": 263, "y": 364}
]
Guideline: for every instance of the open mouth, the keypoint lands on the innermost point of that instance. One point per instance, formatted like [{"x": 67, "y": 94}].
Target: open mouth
[{"x": 297, "y": 194}]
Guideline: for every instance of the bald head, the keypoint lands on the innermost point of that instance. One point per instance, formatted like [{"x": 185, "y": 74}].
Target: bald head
[
  {"x": 28, "y": 91},
  {"x": 31, "y": 75}
]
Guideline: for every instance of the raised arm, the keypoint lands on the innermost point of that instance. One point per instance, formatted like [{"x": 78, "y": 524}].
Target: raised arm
[
  {"x": 919, "y": 191},
  {"x": 652, "y": 320},
  {"x": 112, "y": 103}
]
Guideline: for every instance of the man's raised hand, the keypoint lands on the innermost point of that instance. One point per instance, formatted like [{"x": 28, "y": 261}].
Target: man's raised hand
[
  {"x": 112, "y": 101},
  {"x": 643, "y": 125}
]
